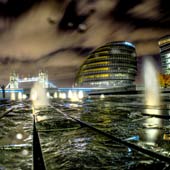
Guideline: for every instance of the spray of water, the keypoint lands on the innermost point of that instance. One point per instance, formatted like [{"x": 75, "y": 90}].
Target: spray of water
[
  {"x": 39, "y": 97},
  {"x": 13, "y": 97},
  {"x": 152, "y": 92},
  {"x": 55, "y": 95},
  {"x": 152, "y": 99},
  {"x": 20, "y": 96}
]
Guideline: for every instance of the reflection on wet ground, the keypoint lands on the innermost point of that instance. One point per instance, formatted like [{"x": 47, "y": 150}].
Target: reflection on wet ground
[
  {"x": 16, "y": 139},
  {"x": 66, "y": 144}
]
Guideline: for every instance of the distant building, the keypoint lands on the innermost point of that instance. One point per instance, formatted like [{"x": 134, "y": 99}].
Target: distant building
[
  {"x": 26, "y": 83},
  {"x": 164, "y": 45},
  {"x": 112, "y": 65},
  {"x": 13, "y": 81},
  {"x": 43, "y": 79}
]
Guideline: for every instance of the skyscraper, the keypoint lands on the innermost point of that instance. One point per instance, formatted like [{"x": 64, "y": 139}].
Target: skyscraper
[
  {"x": 112, "y": 65},
  {"x": 164, "y": 45}
]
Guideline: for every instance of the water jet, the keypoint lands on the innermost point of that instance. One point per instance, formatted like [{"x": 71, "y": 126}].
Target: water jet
[
  {"x": 39, "y": 97},
  {"x": 151, "y": 99}
]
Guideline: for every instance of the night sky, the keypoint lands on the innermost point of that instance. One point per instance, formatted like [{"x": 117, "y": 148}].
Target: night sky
[{"x": 57, "y": 35}]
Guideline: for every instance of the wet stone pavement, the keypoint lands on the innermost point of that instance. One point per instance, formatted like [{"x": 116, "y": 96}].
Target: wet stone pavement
[
  {"x": 16, "y": 139},
  {"x": 68, "y": 145}
]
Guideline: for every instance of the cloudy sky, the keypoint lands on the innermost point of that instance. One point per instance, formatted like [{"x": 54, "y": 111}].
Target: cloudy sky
[{"x": 57, "y": 35}]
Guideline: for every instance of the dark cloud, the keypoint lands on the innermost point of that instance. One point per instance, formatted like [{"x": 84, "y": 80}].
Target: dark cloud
[
  {"x": 122, "y": 8},
  {"x": 82, "y": 51},
  {"x": 122, "y": 13},
  {"x": 164, "y": 9},
  {"x": 71, "y": 20},
  {"x": 14, "y": 8}
]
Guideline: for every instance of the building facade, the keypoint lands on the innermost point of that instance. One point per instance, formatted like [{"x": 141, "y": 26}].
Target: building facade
[
  {"x": 112, "y": 65},
  {"x": 164, "y": 45}
]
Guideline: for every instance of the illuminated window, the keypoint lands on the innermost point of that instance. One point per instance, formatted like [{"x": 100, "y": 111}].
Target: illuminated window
[{"x": 168, "y": 55}]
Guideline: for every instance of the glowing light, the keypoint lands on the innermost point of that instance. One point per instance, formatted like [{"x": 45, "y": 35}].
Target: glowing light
[
  {"x": 74, "y": 97},
  {"x": 152, "y": 133},
  {"x": 55, "y": 95},
  {"x": 25, "y": 152},
  {"x": 102, "y": 96},
  {"x": 48, "y": 95},
  {"x": 62, "y": 95},
  {"x": 24, "y": 96},
  {"x": 129, "y": 44},
  {"x": 70, "y": 94},
  {"x": 20, "y": 96},
  {"x": 34, "y": 96},
  {"x": 38, "y": 96},
  {"x": 166, "y": 136},
  {"x": 164, "y": 41},
  {"x": 12, "y": 97},
  {"x": 136, "y": 138},
  {"x": 152, "y": 93},
  {"x": 19, "y": 136},
  {"x": 80, "y": 94},
  {"x": 41, "y": 118},
  {"x": 152, "y": 100},
  {"x": 73, "y": 105}
]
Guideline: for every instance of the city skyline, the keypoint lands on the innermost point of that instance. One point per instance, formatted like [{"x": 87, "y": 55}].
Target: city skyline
[{"x": 58, "y": 36}]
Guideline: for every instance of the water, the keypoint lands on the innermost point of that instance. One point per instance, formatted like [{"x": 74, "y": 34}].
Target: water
[
  {"x": 39, "y": 96},
  {"x": 67, "y": 145},
  {"x": 151, "y": 82},
  {"x": 16, "y": 138},
  {"x": 152, "y": 99}
]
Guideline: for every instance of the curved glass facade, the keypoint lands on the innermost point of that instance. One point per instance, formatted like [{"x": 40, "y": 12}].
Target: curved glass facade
[
  {"x": 164, "y": 44},
  {"x": 112, "y": 65}
]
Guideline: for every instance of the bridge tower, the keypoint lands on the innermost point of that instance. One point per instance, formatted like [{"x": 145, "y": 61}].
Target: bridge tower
[
  {"x": 43, "y": 79},
  {"x": 13, "y": 81}
]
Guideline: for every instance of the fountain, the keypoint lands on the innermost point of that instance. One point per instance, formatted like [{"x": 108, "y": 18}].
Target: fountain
[
  {"x": 70, "y": 94},
  {"x": 24, "y": 96},
  {"x": 152, "y": 92},
  {"x": 48, "y": 95},
  {"x": 55, "y": 95},
  {"x": 12, "y": 96},
  {"x": 39, "y": 100},
  {"x": 20, "y": 96},
  {"x": 62, "y": 95},
  {"x": 80, "y": 94},
  {"x": 73, "y": 96},
  {"x": 152, "y": 99},
  {"x": 38, "y": 97}
]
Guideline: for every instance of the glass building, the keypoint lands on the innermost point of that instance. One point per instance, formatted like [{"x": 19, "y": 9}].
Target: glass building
[
  {"x": 112, "y": 65},
  {"x": 164, "y": 45}
]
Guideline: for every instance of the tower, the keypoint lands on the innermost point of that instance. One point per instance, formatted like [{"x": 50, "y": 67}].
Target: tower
[
  {"x": 13, "y": 81},
  {"x": 43, "y": 79},
  {"x": 164, "y": 45}
]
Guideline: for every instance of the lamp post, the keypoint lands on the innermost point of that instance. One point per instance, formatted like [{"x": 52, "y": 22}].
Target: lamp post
[{"x": 3, "y": 91}]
